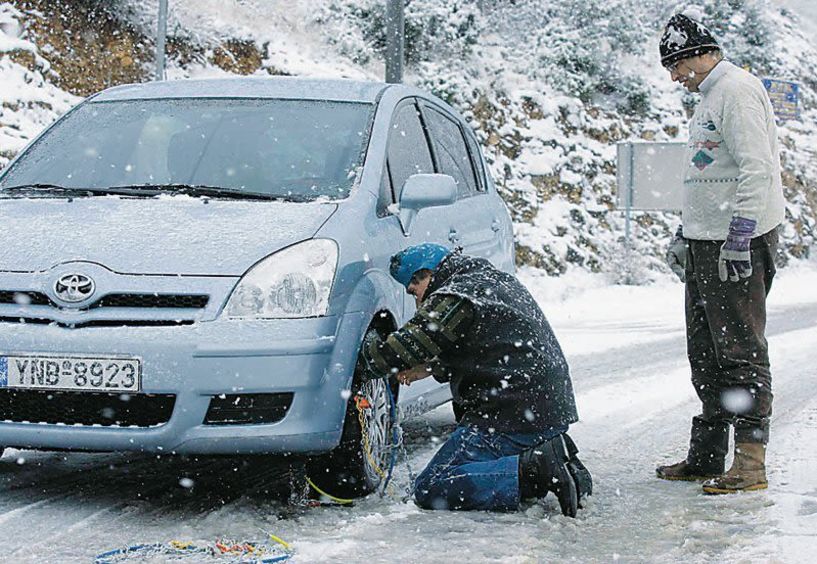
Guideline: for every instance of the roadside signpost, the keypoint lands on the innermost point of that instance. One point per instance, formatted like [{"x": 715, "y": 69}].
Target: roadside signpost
[
  {"x": 650, "y": 177},
  {"x": 161, "y": 36}
]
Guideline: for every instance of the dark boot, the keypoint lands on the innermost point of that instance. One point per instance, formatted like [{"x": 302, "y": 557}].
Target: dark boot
[
  {"x": 581, "y": 475},
  {"x": 708, "y": 443},
  {"x": 682, "y": 471},
  {"x": 543, "y": 469}
]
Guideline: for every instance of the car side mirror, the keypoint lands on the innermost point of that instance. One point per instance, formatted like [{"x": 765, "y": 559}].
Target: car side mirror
[{"x": 425, "y": 191}]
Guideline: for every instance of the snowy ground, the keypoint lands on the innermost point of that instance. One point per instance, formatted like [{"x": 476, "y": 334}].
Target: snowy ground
[{"x": 626, "y": 349}]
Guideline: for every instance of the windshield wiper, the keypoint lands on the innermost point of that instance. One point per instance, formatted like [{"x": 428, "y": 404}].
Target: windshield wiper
[
  {"x": 143, "y": 190},
  {"x": 202, "y": 191},
  {"x": 56, "y": 189}
]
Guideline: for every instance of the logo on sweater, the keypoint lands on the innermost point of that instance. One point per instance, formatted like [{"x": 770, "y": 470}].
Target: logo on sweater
[
  {"x": 710, "y": 125},
  {"x": 709, "y": 145},
  {"x": 701, "y": 160}
]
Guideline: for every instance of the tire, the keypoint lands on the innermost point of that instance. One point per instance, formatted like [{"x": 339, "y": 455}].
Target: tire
[{"x": 348, "y": 471}]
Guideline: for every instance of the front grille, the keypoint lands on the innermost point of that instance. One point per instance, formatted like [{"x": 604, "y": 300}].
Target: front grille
[
  {"x": 85, "y": 408},
  {"x": 153, "y": 300},
  {"x": 184, "y": 301},
  {"x": 245, "y": 409},
  {"x": 101, "y": 322},
  {"x": 23, "y": 298}
]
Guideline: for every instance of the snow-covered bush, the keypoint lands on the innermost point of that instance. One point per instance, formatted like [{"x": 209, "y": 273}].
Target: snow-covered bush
[
  {"x": 580, "y": 46},
  {"x": 435, "y": 29},
  {"x": 745, "y": 32}
]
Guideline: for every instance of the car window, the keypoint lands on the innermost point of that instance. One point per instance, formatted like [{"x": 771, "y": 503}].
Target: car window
[
  {"x": 408, "y": 149},
  {"x": 473, "y": 148},
  {"x": 450, "y": 149},
  {"x": 386, "y": 192},
  {"x": 307, "y": 148}
]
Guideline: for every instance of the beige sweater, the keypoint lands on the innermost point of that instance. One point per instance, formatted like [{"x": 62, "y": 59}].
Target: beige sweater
[{"x": 733, "y": 161}]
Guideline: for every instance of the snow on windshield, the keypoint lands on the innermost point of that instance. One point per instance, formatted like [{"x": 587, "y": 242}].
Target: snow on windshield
[{"x": 293, "y": 148}]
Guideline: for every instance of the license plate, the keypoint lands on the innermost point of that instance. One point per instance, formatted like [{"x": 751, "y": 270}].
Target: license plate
[{"x": 86, "y": 373}]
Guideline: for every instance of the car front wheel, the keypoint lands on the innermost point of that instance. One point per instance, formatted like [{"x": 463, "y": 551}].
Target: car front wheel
[{"x": 362, "y": 460}]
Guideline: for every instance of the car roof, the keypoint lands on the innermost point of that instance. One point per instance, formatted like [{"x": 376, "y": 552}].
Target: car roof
[{"x": 249, "y": 87}]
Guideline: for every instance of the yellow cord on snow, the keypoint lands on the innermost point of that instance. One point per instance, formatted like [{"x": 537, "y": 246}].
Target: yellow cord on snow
[
  {"x": 279, "y": 540},
  {"x": 330, "y": 496}
]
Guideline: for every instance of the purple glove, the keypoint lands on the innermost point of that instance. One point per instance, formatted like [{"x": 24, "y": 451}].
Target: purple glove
[{"x": 735, "y": 260}]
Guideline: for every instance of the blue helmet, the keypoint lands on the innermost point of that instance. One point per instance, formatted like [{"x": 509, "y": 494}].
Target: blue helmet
[{"x": 408, "y": 261}]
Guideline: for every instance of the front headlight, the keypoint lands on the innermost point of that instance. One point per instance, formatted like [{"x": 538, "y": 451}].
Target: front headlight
[{"x": 294, "y": 282}]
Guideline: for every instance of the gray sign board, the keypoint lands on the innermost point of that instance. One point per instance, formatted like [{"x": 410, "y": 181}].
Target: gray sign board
[{"x": 650, "y": 176}]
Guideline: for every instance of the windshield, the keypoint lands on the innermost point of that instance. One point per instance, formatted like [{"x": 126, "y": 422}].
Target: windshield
[{"x": 301, "y": 149}]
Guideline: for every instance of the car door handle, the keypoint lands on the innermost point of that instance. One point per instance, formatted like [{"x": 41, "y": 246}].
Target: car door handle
[
  {"x": 453, "y": 236},
  {"x": 496, "y": 225}
]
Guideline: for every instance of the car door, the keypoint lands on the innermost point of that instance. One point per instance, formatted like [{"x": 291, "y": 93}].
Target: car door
[
  {"x": 475, "y": 224},
  {"x": 408, "y": 153},
  {"x": 501, "y": 253}
]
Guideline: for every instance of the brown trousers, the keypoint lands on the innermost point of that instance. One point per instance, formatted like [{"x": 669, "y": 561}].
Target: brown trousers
[{"x": 727, "y": 348}]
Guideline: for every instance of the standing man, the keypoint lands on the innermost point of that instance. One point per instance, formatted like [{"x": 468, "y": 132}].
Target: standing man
[
  {"x": 733, "y": 203},
  {"x": 479, "y": 329}
]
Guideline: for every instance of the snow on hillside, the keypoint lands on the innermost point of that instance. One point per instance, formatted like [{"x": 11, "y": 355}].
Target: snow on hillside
[
  {"x": 807, "y": 12},
  {"x": 28, "y": 100},
  {"x": 550, "y": 87}
]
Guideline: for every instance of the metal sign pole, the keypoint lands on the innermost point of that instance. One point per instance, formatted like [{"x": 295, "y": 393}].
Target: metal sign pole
[
  {"x": 161, "y": 35},
  {"x": 649, "y": 177},
  {"x": 628, "y": 200},
  {"x": 395, "y": 40}
]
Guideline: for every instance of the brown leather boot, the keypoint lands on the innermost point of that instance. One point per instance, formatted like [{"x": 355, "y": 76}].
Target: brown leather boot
[
  {"x": 748, "y": 471},
  {"x": 682, "y": 471}
]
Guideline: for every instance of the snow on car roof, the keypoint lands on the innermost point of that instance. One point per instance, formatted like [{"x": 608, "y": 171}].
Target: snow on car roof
[{"x": 250, "y": 87}]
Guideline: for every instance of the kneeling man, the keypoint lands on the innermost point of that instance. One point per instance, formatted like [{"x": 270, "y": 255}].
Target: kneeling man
[{"x": 479, "y": 329}]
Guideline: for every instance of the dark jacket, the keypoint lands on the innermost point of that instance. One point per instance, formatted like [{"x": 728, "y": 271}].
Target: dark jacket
[
  {"x": 508, "y": 371},
  {"x": 485, "y": 334}
]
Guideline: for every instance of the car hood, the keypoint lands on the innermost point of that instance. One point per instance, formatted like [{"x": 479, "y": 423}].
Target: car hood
[{"x": 163, "y": 235}]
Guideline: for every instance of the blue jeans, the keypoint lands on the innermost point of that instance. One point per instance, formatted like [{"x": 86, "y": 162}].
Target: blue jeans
[{"x": 476, "y": 470}]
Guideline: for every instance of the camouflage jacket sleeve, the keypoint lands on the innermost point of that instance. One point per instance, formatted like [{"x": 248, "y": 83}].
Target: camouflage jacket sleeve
[{"x": 434, "y": 329}]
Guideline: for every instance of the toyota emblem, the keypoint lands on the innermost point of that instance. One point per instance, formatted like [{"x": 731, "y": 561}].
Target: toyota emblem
[{"x": 73, "y": 288}]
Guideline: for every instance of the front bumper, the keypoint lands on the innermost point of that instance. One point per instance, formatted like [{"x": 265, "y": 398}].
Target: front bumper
[{"x": 311, "y": 358}]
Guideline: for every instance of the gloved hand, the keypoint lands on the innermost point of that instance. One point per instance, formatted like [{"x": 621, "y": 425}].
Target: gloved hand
[
  {"x": 677, "y": 254},
  {"x": 735, "y": 260},
  {"x": 406, "y": 377}
]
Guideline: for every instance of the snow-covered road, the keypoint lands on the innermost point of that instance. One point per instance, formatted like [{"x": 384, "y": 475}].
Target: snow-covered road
[{"x": 627, "y": 354}]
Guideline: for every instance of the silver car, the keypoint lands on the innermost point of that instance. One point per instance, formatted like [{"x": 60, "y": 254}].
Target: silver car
[{"x": 191, "y": 266}]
